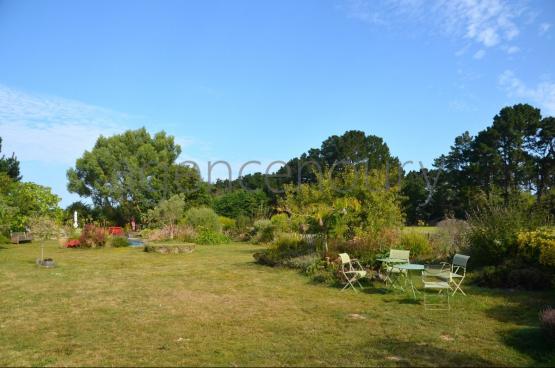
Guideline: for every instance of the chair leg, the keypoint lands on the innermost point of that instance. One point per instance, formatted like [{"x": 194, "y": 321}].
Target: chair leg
[{"x": 458, "y": 288}]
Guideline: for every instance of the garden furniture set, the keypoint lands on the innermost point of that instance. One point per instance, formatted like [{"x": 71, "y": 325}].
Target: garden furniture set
[{"x": 445, "y": 279}]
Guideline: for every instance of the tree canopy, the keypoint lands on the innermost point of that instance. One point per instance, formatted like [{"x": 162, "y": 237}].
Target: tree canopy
[
  {"x": 9, "y": 165},
  {"x": 128, "y": 174},
  {"x": 512, "y": 157}
]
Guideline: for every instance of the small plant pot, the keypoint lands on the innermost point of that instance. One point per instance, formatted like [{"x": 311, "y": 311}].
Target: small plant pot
[{"x": 46, "y": 263}]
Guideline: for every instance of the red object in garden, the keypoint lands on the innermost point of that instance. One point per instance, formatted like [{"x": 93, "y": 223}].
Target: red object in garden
[
  {"x": 116, "y": 231},
  {"x": 74, "y": 243}
]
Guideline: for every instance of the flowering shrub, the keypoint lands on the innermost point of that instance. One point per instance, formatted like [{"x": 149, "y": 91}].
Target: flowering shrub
[
  {"x": 73, "y": 243},
  {"x": 537, "y": 246},
  {"x": 547, "y": 321},
  {"x": 93, "y": 236}
]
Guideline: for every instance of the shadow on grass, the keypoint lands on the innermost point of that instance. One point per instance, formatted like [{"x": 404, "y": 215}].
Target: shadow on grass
[
  {"x": 532, "y": 342},
  {"x": 410, "y": 354}
]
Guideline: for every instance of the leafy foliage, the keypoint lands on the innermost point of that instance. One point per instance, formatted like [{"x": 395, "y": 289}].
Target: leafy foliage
[
  {"x": 516, "y": 154},
  {"x": 167, "y": 213},
  {"x": 352, "y": 203},
  {"x": 237, "y": 203},
  {"x": 494, "y": 229},
  {"x": 203, "y": 217},
  {"x": 93, "y": 236},
  {"x": 118, "y": 242},
  {"x": 537, "y": 246},
  {"x": 9, "y": 165},
  {"x": 417, "y": 243},
  {"x": 264, "y": 231},
  {"x": 207, "y": 236},
  {"x": 128, "y": 174}
]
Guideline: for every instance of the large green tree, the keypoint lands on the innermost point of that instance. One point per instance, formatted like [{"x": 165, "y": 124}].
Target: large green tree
[
  {"x": 508, "y": 161},
  {"x": 127, "y": 174},
  {"x": 19, "y": 201},
  {"x": 9, "y": 165}
]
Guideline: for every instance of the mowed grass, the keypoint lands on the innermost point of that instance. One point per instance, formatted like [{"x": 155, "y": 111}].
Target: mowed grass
[{"x": 124, "y": 307}]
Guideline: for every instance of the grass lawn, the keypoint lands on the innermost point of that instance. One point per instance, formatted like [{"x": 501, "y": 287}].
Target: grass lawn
[{"x": 125, "y": 307}]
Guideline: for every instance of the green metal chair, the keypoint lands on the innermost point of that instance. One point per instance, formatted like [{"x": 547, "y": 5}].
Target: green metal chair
[
  {"x": 454, "y": 273},
  {"x": 396, "y": 257},
  {"x": 432, "y": 283},
  {"x": 351, "y": 271}
]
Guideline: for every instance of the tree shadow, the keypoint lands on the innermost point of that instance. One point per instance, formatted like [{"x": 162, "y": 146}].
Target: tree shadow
[
  {"x": 532, "y": 342},
  {"x": 410, "y": 354},
  {"x": 522, "y": 309}
]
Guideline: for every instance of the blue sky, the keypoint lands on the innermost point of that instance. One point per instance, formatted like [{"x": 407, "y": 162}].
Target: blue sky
[{"x": 264, "y": 80}]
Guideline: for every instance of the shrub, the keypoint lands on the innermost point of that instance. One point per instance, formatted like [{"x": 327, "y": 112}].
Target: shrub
[
  {"x": 228, "y": 225},
  {"x": 209, "y": 237},
  {"x": 449, "y": 239},
  {"x": 4, "y": 239},
  {"x": 72, "y": 243},
  {"x": 119, "y": 242},
  {"x": 285, "y": 247},
  {"x": 493, "y": 232},
  {"x": 92, "y": 236},
  {"x": 417, "y": 243},
  {"x": 203, "y": 217},
  {"x": 547, "y": 323},
  {"x": 281, "y": 222},
  {"x": 303, "y": 263},
  {"x": 184, "y": 233},
  {"x": 264, "y": 231},
  {"x": 365, "y": 247},
  {"x": 515, "y": 275},
  {"x": 537, "y": 246}
]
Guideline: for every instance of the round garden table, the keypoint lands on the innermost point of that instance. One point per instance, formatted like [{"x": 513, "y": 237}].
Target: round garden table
[{"x": 411, "y": 267}]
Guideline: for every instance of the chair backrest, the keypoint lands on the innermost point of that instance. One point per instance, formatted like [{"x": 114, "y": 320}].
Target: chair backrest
[
  {"x": 400, "y": 254},
  {"x": 345, "y": 259},
  {"x": 460, "y": 260}
]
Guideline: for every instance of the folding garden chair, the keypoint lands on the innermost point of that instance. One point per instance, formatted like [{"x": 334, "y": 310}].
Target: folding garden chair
[
  {"x": 396, "y": 257},
  {"x": 351, "y": 271},
  {"x": 454, "y": 273},
  {"x": 440, "y": 287}
]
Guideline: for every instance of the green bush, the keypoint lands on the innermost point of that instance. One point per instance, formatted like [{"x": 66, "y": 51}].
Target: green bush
[
  {"x": 203, "y": 217},
  {"x": 493, "y": 232},
  {"x": 366, "y": 247},
  {"x": 4, "y": 239},
  {"x": 281, "y": 222},
  {"x": 264, "y": 231},
  {"x": 119, "y": 242},
  {"x": 513, "y": 275},
  {"x": 417, "y": 243},
  {"x": 284, "y": 248},
  {"x": 228, "y": 224},
  {"x": 209, "y": 237}
]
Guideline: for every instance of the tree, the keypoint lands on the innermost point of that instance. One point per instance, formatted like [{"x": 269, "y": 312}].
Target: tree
[
  {"x": 240, "y": 203},
  {"x": 353, "y": 148},
  {"x": 43, "y": 228},
  {"x": 167, "y": 213},
  {"x": 10, "y": 165},
  {"x": 352, "y": 203},
  {"x": 127, "y": 174},
  {"x": 505, "y": 162},
  {"x": 21, "y": 201}
]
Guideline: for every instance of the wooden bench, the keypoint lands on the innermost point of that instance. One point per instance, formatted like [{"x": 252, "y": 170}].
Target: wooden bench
[{"x": 23, "y": 237}]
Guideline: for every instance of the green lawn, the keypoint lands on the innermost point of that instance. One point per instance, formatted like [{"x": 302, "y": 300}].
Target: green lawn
[{"x": 125, "y": 307}]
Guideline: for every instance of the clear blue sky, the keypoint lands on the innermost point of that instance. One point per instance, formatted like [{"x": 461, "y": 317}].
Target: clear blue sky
[{"x": 264, "y": 80}]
